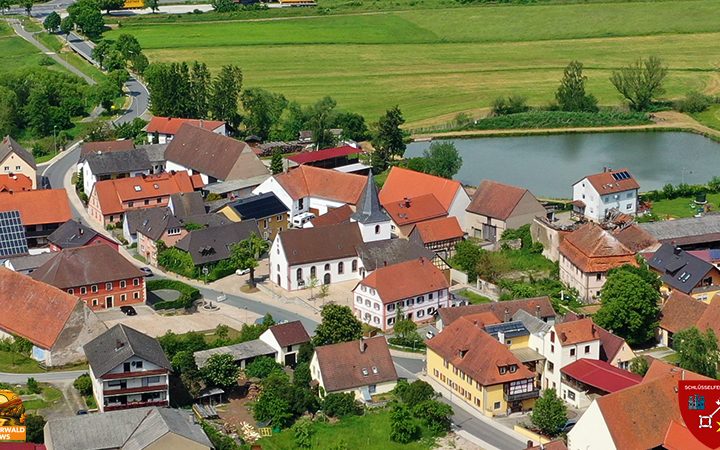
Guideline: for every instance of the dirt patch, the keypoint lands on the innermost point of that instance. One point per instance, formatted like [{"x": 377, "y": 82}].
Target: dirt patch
[{"x": 236, "y": 411}]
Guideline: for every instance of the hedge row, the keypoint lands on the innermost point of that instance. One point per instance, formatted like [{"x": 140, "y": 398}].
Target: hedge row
[
  {"x": 188, "y": 294},
  {"x": 559, "y": 119}
]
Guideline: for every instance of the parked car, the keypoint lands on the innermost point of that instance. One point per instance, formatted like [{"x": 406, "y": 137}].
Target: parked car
[
  {"x": 81, "y": 412},
  {"x": 430, "y": 334},
  {"x": 242, "y": 271},
  {"x": 128, "y": 310},
  {"x": 568, "y": 425},
  {"x": 146, "y": 271}
]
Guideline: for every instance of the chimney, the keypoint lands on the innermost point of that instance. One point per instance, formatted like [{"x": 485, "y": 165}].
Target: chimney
[
  {"x": 119, "y": 344},
  {"x": 537, "y": 311},
  {"x": 406, "y": 202},
  {"x": 606, "y": 169},
  {"x": 81, "y": 231},
  {"x": 99, "y": 152},
  {"x": 506, "y": 315},
  {"x": 363, "y": 345},
  {"x": 677, "y": 250},
  {"x": 530, "y": 444}
]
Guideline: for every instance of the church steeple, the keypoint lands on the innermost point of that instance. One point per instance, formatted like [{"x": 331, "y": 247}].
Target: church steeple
[{"x": 368, "y": 208}]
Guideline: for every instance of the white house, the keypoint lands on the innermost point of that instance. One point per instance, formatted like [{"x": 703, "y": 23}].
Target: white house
[
  {"x": 128, "y": 370},
  {"x": 161, "y": 130},
  {"x": 416, "y": 287},
  {"x": 286, "y": 339},
  {"x": 595, "y": 195},
  {"x": 109, "y": 165},
  {"x": 362, "y": 367},
  {"x": 565, "y": 343}
]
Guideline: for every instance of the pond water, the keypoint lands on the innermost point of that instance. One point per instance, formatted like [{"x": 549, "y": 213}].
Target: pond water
[{"x": 549, "y": 165}]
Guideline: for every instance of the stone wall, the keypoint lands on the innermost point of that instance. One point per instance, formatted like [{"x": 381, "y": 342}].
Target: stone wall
[{"x": 81, "y": 327}]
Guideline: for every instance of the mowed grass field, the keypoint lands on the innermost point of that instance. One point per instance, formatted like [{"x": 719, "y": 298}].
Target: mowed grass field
[
  {"x": 436, "y": 62},
  {"x": 15, "y": 52}
]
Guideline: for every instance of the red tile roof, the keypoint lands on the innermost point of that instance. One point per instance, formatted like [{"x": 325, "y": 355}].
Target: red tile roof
[
  {"x": 333, "y": 217},
  {"x": 678, "y": 437},
  {"x": 404, "y": 183},
  {"x": 406, "y": 279},
  {"x": 534, "y": 306},
  {"x": 605, "y": 183},
  {"x": 681, "y": 311},
  {"x": 576, "y": 332},
  {"x": 593, "y": 249},
  {"x": 39, "y": 311},
  {"x": 414, "y": 210},
  {"x": 37, "y": 207},
  {"x": 112, "y": 193},
  {"x": 496, "y": 200},
  {"x": 436, "y": 230},
  {"x": 171, "y": 125},
  {"x": 342, "y": 365},
  {"x": 15, "y": 182},
  {"x": 610, "y": 344},
  {"x": 635, "y": 238},
  {"x": 290, "y": 333},
  {"x": 601, "y": 375},
  {"x": 309, "y": 181},
  {"x": 480, "y": 356},
  {"x": 553, "y": 445},
  {"x": 322, "y": 155},
  {"x": 106, "y": 146},
  {"x": 710, "y": 318}
]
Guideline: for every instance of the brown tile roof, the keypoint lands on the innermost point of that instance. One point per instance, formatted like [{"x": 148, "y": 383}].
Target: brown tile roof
[
  {"x": 38, "y": 207},
  {"x": 529, "y": 305},
  {"x": 681, "y": 311},
  {"x": 437, "y": 230},
  {"x": 307, "y": 245},
  {"x": 678, "y": 437},
  {"x": 577, "y": 331},
  {"x": 404, "y": 183},
  {"x": 605, "y": 183},
  {"x": 593, "y": 249},
  {"x": 290, "y": 333},
  {"x": 415, "y": 209},
  {"x": 333, "y": 216},
  {"x": 309, "y": 181},
  {"x": 9, "y": 145},
  {"x": 710, "y": 318},
  {"x": 659, "y": 369},
  {"x": 15, "y": 182},
  {"x": 610, "y": 344},
  {"x": 406, "y": 279},
  {"x": 635, "y": 238},
  {"x": 496, "y": 200},
  {"x": 638, "y": 417},
  {"x": 171, "y": 125},
  {"x": 480, "y": 356},
  {"x": 213, "y": 154},
  {"x": 483, "y": 319},
  {"x": 342, "y": 365},
  {"x": 105, "y": 146},
  {"x": 112, "y": 193},
  {"x": 39, "y": 311},
  {"x": 553, "y": 445},
  {"x": 82, "y": 266}
]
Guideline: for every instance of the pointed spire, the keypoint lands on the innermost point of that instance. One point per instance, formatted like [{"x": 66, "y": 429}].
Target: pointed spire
[{"x": 368, "y": 208}]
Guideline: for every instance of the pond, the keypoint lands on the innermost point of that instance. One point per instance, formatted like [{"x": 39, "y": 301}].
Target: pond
[{"x": 549, "y": 165}]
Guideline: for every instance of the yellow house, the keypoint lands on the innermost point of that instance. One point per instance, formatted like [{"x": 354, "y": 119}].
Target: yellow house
[
  {"x": 482, "y": 370},
  {"x": 269, "y": 212},
  {"x": 14, "y": 159}
]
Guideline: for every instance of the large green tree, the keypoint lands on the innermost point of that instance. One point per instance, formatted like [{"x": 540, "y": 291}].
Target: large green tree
[
  {"x": 549, "y": 413},
  {"x": 245, "y": 254},
  {"x": 226, "y": 87},
  {"x": 52, "y": 22},
  {"x": 109, "y": 5},
  {"x": 10, "y": 114},
  {"x": 199, "y": 81},
  {"x": 86, "y": 15},
  {"x": 641, "y": 82},
  {"x": 263, "y": 111},
  {"x": 697, "y": 351},
  {"x": 320, "y": 119},
  {"x": 571, "y": 95},
  {"x": 128, "y": 45},
  {"x": 389, "y": 140},
  {"x": 403, "y": 426},
  {"x": 338, "y": 324},
  {"x": 276, "y": 163},
  {"x": 353, "y": 126},
  {"x": 442, "y": 159},
  {"x": 642, "y": 270},
  {"x": 66, "y": 26},
  {"x": 220, "y": 370},
  {"x": 35, "y": 425},
  {"x": 629, "y": 308}
]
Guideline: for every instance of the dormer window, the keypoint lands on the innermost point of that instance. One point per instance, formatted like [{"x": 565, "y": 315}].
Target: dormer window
[
  {"x": 374, "y": 370},
  {"x": 365, "y": 372},
  {"x": 462, "y": 353},
  {"x": 503, "y": 370},
  {"x": 513, "y": 368}
]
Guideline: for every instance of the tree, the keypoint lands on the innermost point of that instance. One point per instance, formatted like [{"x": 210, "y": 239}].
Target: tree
[
  {"x": 184, "y": 362},
  {"x": 640, "y": 82},
  {"x": 33, "y": 386},
  {"x": 223, "y": 5},
  {"x": 549, "y": 414},
  {"x": 34, "y": 431},
  {"x": 220, "y": 370},
  {"x": 301, "y": 375},
  {"x": 404, "y": 328},
  {"x": 514, "y": 104},
  {"x": 109, "y": 5},
  {"x": 403, "y": 427},
  {"x": 642, "y": 270},
  {"x": 305, "y": 353},
  {"x": 244, "y": 254},
  {"x": 52, "y": 22},
  {"x": 341, "y": 405},
  {"x": 639, "y": 365},
  {"x": 571, "y": 94},
  {"x": 697, "y": 351},
  {"x": 128, "y": 45},
  {"x": 320, "y": 117},
  {"x": 83, "y": 384},
  {"x": 114, "y": 60},
  {"x": 389, "y": 140},
  {"x": 273, "y": 404},
  {"x": 88, "y": 18},
  {"x": 106, "y": 92},
  {"x": 101, "y": 49},
  {"x": 154, "y": 5},
  {"x": 139, "y": 63},
  {"x": 415, "y": 393},
  {"x": 262, "y": 367},
  {"x": 226, "y": 88},
  {"x": 4, "y": 6},
  {"x": 27, "y": 4},
  {"x": 435, "y": 415},
  {"x": 10, "y": 113},
  {"x": 276, "y": 163},
  {"x": 66, "y": 26},
  {"x": 338, "y": 324},
  {"x": 263, "y": 110},
  {"x": 303, "y": 432},
  {"x": 629, "y": 308},
  {"x": 200, "y": 81},
  {"x": 442, "y": 159},
  {"x": 491, "y": 266},
  {"x": 353, "y": 126}
]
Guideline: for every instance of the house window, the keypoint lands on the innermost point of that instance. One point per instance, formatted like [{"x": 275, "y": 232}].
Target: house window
[
  {"x": 159, "y": 201},
  {"x": 123, "y": 297},
  {"x": 288, "y": 349},
  {"x": 598, "y": 276},
  {"x": 136, "y": 295},
  {"x": 571, "y": 395},
  {"x": 17, "y": 167},
  {"x": 376, "y": 306},
  {"x": 420, "y": 300},
  {"x": 572, "y": 352},
  {"x": 123, "y": 284},
  {"x": 376, "y": 319},
  {"x": 7, "y": 168},
  {"x": 358, "y": 299},
  {"x": 367, "y": 302},
  {"x": 93, "y": 288},
  {"x": 173, "y": 231},
  {"x": 327, "y": 267},
  {"x": 420, "y": 313},
  {"x": 147, "y": 202},
  {"x": 130, "y": 204},
  {"x": 95, "y": 302},
  {"x": 312, "y": 272},
  {"x": 299, "y": 274},
  {"x": 136, "y": 281},
  {"x": 138, "y": 364},
  {"x": 496, "y": 405},
  {"x": 265, "y": 224},
  {"x": 552, "y": 336},
  {"x": 301, "y": 203},
  {"x": 391, "y": 307},
  {"x": 341, "y": 267},
  {"x": 108, "y": 286},
  {"x": 83, "y": 290},
  {"x": 552, "y": 348},
  {"x": 430, "y": 296},
  {"x": 353, "y": 265},
  {"x": 628, "y": 206},
  {"x": 377, "y": 229},
  {"x": 429, "y": 311},
  {"x": 278, "y": 218},
  {"x": 391, "y": 321},
  {"x": 587, "y": 349},
  {"x": 550, "y": 366},
  {"x": 71, "y": 291}
]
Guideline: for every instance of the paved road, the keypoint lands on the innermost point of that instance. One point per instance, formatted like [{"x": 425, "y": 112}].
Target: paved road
[
  {"x": 45, "y": 377},
  {"x": 489, "y": 434}
]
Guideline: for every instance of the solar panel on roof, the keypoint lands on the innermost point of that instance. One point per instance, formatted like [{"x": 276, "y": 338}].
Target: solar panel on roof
[
  {"x": 617, "y": 176},
  {"x": 12, "y": 234}
]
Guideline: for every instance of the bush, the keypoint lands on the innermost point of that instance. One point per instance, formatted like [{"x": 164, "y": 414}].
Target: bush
[
  {"x": 33, "y": 386},
  {"x": 177, "y": 261},
  {"x": 414, "y": 393},
  {"x": 559, "y": 119},
  {"x": 694, "y": 102},
  {"x": 341, "y": 405},
  {"x": 262, "y": 367},
  {"x": 83, "y": 384},
  {"x": 35, "y": 425},
  {"x": 188, "y": 294},
  {"x": 512, "y": 105},
  {"x": 219, "y": 440}
]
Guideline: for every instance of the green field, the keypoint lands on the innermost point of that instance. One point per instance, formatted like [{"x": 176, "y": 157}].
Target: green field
[
  {"x": 682, "y": 207},
  {"x": 16, "y": 52},
  {"x": 434, "y": 62}
]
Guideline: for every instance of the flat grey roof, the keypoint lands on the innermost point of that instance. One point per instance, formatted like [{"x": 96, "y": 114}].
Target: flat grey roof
[{"x": 239, "y": 352}]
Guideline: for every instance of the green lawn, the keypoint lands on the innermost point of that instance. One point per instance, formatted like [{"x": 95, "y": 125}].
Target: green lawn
[
  {"x": 16, "y": 52},
  {"x": 524, "y": 260},
  {"x": 50, "y": 396},
  {"x": 682, "y": 207},
  {"x": 15, "y": 363},
  {"x": 368, "y": 432},
  {"x": 474, "y": 298},
  {"x": 440, "y": 61},
  {"x": 709, "y": 117}
]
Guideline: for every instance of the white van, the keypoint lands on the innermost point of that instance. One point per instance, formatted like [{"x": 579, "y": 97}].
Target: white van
[{"x": 301, "y": 219}]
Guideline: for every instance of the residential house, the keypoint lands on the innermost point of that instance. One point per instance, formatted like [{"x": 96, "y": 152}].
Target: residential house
[
  {"x": 12, "y": 182},
  {"x": 13, "y": 241},
  {"x": 409, "y": 212},
  {"x": 496, "y": 207},
  {"x": 15, "y": 160},
  {"x": 27, "y": 264},
  {"x": 417, "y": 288},
  {"x": 315, "y": 190},
  {"x": 343, "y": 158},
  {"x": 138, "y": 429},
  {"x": 213, "y": 157},
  {"x": 586, "y": 256},
  {"x": 186, "y": 204},
  {"x": 99, "y": 275},
  {"x": 41, "y": 212},
  {"x": 110, "y": 199},
  {"x": 614, "y": 350},
  {"x": 403, "y": 183},
  {"x": 89, "y": 148},
  {"x": 74, "y": 234},
  {"x": 682, "y": 311},
  {"x": 439, "y": 235},
  {"x": 596, "y": 195},
  {"x": 57, "y": 323},
  {"x": 687, "y": 233},
  {"x": 387, "y": 252},
  {"x": 682, "y": 271},
  {"x": 587, "y": 379},
  {"x": 540, "y": 307},
  {"x": 480, "y": 370},
  {"x": 635, "y": 418},
  {"x": 111, "y": 165},
  {"x": 364, "y": 368},
  {"x": 565, "y": 343},
  {"x": 286, "y": 338},
  {"x": 270, "y": 213},
  {"x": 128, "y": 369},
  {"x": 332, "y": 217},
  {"x": 162, "y": 130},
  {"x": 214, "y": 244},
  {"x": 182, "y": 205},
  {"x": 156, "y": 156}
]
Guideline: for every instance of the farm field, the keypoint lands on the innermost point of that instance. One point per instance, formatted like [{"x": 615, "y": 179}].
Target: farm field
[
  {"x": 435, "y": 62},
  {"x": 16, "y": 52}
]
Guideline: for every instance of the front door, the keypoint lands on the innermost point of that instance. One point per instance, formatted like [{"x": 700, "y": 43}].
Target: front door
[{"x": 108, "y": 302}]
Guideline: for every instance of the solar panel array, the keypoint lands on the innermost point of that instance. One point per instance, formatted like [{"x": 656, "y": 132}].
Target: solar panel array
[
  {"x": 12, "y": 234},
  {"x": 621, "y": 176}
]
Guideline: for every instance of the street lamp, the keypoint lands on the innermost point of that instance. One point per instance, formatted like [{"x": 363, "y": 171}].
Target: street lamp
[{"x": 54, "y": 139}]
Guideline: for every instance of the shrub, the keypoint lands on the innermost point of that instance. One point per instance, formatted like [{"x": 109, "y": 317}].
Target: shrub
[
  {"x": 188, "y": 294},
  {"x": 512, "y": 105},
  {"x": 341, "y": 405},
  {"x": 177, "y": 261},
  {"x": 83, "y": 384},
  {"x": 33, "y": 386},
  {"x": 559, "y": 119},
  {"x": 262, "y": 367},
  {"x": 694, "y": 102}
]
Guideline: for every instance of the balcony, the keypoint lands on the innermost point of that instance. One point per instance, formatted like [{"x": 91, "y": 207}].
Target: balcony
[
  {"x": 535, "y": 393},
  {"x": 135, "y": 405},
  {"x": 121, "y": 375},
  {"x": 136, "y": 390}
]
